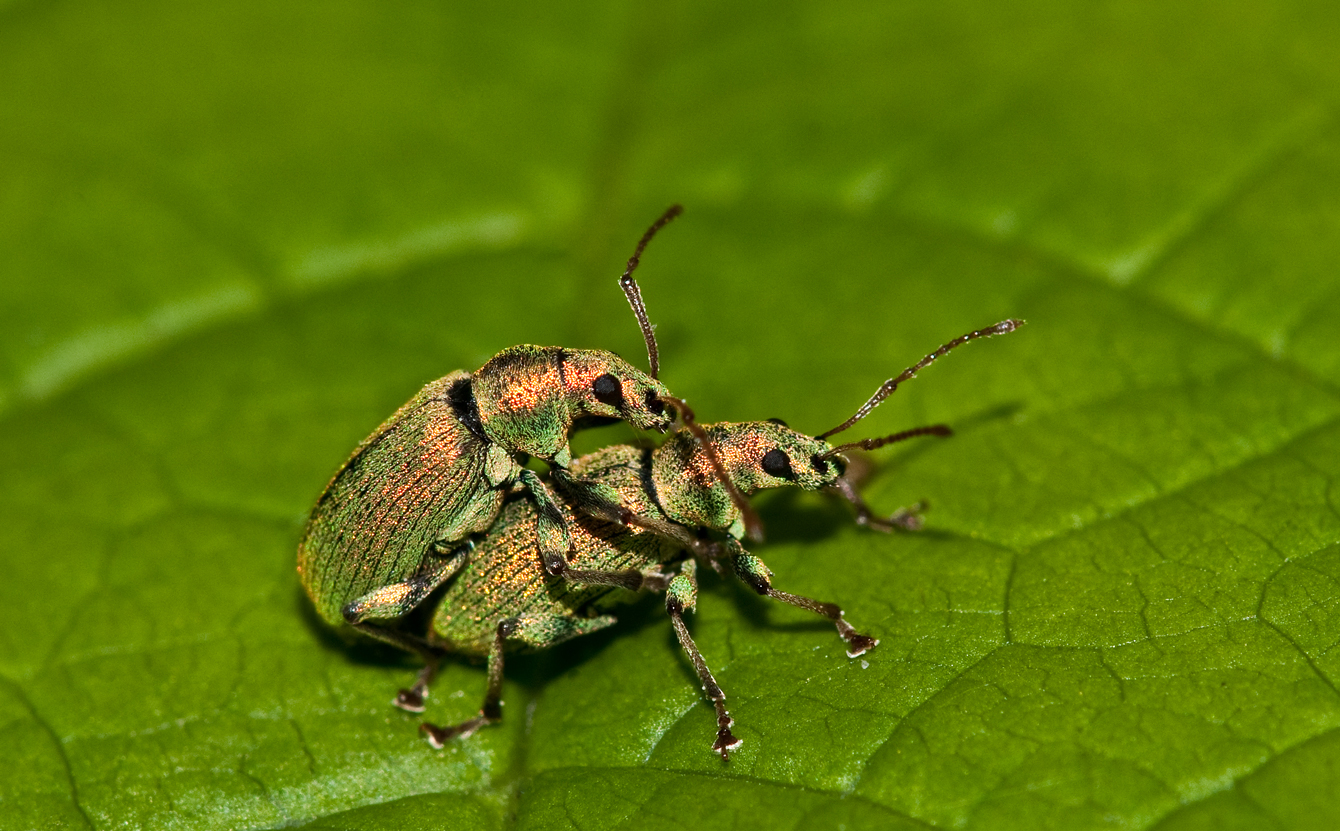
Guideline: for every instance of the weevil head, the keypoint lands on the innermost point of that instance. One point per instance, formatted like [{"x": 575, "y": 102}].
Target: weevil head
[
  {"x": 529, "y": 398},
  {"x": 601, "y": 384},
  {"x": 756, "y": 455},
  {"x": 769, "y": 454}
]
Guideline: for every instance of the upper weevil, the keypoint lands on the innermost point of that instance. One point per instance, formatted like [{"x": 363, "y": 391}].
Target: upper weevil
[
  {"x": 380, "y": 537},
  {"x": 502, "y": 598}
]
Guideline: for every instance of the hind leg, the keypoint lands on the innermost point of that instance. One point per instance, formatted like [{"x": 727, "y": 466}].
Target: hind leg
[
  {"x": 397, "y": 600},
  {"x": 536, "y": 631}
]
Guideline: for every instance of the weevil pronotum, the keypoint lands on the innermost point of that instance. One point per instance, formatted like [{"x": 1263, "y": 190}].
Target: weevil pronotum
[
  {"x": 501, "y": 597},
  {"x": 384, "y": 533}
]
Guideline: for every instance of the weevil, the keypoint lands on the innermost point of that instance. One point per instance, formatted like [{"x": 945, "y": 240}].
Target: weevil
[
  {"x": 382, "y": 535},
  {"x": 501, "y": 597}
]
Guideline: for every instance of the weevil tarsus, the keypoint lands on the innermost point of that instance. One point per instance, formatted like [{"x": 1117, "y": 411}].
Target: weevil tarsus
[{"x": 412, "y": 700}]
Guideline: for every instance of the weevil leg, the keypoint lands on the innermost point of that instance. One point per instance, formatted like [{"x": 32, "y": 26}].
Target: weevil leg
[
  {"x": 530, "y": 630},
  {"x": 411, "y": 700},
  {"x": 492, "y": 709},
  {"x": 399, "y": 599},
  {"x": 752, "y": 571},
  {"x": 551, "y": 527},
  {"x": 905, "y": 519},
  {"x": 681, "y": 595},
  {"x": 602, "y": 502},
  {"x": 629, "y": 578}
]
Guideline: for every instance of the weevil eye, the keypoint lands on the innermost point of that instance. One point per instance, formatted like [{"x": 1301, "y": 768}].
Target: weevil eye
[
  {"x": 777, "y": 421},
  {"x": 776, "y": 463},
  {"x": 608, "y": 390},
  {"x": 819, "y": 463},
  {"x": 655, "y": 405}
]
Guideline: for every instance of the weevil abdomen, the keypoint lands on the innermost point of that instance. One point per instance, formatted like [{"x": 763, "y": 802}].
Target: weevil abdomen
[
  {"x": 422, "y": 477},
  {"x": 505, "y": 577}
]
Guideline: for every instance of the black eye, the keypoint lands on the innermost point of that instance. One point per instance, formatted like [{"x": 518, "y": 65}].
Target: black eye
[
  {"x": 608, "y": 390},
  {"x": 654, "y": 403},
  {"x": 777, "y": 421},
  {"x": 776, "y": 463}
]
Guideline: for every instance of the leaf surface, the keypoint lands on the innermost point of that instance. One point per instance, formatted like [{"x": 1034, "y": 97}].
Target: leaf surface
[{"x": 239, "y": 236}]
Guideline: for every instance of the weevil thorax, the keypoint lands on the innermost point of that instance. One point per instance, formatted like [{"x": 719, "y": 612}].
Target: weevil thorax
[
  {"x": 755, "y": 454},
  {"x": 520, "y": 397}
]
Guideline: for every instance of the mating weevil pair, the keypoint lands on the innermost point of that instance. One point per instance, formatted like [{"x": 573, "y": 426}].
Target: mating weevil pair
[
  {"x": 403, "y": 517},
  {"x": 381, "y": 537}
]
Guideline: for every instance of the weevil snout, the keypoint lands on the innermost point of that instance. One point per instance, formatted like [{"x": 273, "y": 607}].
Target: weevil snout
[
  {"x": 644, "y": 403},
  {"x": 658, "y": 416},
  {"x": 655, "y": 405}
]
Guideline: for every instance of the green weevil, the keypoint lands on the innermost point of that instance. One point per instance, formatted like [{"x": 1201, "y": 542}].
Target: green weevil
[
  {"x": 381, "y": 536},
  {"x": 501, "y": 597}
]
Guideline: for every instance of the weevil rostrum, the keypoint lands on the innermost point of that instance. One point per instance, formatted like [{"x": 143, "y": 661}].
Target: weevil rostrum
[
  {"x": 384, "y": 533},
  {"x": 501, "y": 597}
]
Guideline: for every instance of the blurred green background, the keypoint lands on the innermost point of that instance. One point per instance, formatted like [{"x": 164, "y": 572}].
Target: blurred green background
[{"x": 234, "y": 237}]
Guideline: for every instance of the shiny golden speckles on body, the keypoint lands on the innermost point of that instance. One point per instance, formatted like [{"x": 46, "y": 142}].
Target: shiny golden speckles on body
[{"x": 505, "y": 573}]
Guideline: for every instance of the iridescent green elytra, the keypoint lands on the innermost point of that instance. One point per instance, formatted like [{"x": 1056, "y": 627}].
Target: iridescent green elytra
[
  {"x": 501, "y": 597},
  {"x": 436, "y": 471},
  {"x": 381, "y": 537}
]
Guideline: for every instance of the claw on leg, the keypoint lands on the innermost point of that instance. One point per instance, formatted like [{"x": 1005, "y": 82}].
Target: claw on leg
[
  {"x": 726, "y": 741},
  {"x": 411, "y": 700},
  {"x": 439, "y": 736}
]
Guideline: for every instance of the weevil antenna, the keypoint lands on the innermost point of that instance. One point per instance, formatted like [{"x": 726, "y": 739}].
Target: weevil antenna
[
  {"x": 752, "y": 524},
  {"x": 634, "y": 293},
  {"x": 887, "y": 388},
  {"x": 871, "y": 444}
]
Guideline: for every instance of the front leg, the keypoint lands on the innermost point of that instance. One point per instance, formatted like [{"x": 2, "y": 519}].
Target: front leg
[
  {"x": 758, "y": 576},
  {"x": 903, "y": 519},
  {"x": 550, "y": 526},
  {"x": 602, "y": 502}
]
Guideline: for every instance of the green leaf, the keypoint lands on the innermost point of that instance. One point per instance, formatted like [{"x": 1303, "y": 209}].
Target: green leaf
[{"x": 238, "y": 236}]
